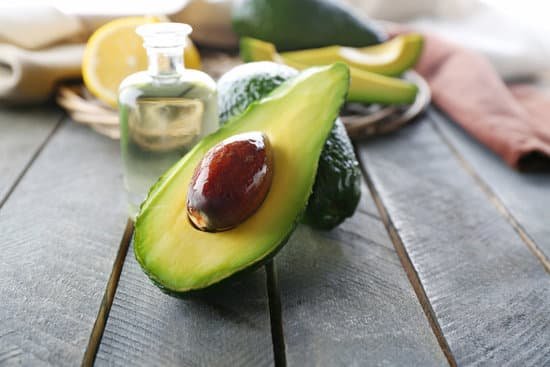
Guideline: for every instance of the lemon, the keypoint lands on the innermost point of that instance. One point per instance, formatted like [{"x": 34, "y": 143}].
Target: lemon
[{"x": 115, "y": 51}]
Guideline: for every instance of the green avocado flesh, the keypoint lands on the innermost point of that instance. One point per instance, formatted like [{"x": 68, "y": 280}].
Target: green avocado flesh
[
  {"x": 337, "y": 187},
  {"x": 297, "y": 117},
  {"x": 391, "y": 58},
  {"x": 365, "y": 86}
]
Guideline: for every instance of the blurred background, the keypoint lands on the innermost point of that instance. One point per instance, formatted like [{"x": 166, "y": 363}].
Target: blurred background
[
  {"x": 484, "y": 45},
  {"x": 513, "y": 34}
]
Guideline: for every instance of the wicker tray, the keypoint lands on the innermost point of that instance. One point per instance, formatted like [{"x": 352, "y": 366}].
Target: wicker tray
[
  {"x": 364, "y": 121},
  {"x": 360, "y": 121}
]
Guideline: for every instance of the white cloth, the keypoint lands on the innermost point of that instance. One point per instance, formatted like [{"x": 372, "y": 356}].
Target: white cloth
[
  {"x": 31, "y": 75},
  {"x": 35, "y": 26},
  {"x": 37, "y": 50}
]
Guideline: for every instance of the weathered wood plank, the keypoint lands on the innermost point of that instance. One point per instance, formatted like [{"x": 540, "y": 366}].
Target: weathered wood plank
[
  {"x": 109, "y": 295},
  {"x": 61, "y": 228},
  {"x": 526, "y": 196},
  {"x": 346, "y": 300},
  {"x": 23, "y": 131},
  {"x": 489, "y": 294},
  {"x": 228, "y": 326}
]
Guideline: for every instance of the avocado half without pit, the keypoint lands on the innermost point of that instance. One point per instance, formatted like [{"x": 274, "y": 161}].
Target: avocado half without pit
[
  {"x": 230, "y": 182},
  {"x": 296, "y": 119}
]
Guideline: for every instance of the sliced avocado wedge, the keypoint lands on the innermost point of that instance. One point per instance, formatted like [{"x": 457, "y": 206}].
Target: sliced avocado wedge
[
  {"x": 391, "y": 58},
  {"x": 253, "y": 49},
  {"x": 365, "y": 87},
  {"x": 297, "y": 117}
]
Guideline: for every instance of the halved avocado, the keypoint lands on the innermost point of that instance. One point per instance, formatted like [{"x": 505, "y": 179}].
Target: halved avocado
[
  {"x": 297, "y": 118},
  {"x": 365, "y": 87},
  {"x": 392, "y": 58}
]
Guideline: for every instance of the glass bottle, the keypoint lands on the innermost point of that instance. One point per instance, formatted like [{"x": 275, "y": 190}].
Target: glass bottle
[{"x": 163, "y": 111}]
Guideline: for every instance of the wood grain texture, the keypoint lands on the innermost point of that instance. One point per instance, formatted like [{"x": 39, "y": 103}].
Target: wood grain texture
[
  {"x": 61, "y": 228},
  {"x": 108, "y": 297},
  {"x": 228, "y": 326},
  {"x": 489, "y": 293},
  {"x": 346, "y": 300},
  {"x": 22, "y": 133},
  {"x": 526, "y": 196}
]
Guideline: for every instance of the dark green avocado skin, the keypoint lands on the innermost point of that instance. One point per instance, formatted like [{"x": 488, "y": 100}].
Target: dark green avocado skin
[
  {"x": 337, "y": 187},
  {"x": 300, "y": 24},
  {"x": 248, "y": 83}
]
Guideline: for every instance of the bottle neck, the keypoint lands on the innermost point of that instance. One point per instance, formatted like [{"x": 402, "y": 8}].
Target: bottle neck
[{"x": 165, "y": 61}]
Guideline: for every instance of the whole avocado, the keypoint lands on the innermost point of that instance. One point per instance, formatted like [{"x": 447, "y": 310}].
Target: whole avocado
[
  {"x": 300, "y": 24},
  {"x": 337, "y": 188}
]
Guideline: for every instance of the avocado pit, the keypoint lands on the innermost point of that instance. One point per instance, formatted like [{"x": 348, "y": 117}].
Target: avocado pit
[{"x": 230, "y": 182}]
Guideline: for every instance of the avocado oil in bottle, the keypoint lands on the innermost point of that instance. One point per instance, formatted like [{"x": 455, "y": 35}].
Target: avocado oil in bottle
[{"x": 164, "y": 111}]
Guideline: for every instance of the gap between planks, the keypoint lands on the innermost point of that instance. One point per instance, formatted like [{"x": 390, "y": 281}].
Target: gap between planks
[
  {"x": 275, "y": 315},
  {"x": 409, "y": 269},
  {"x": 106, "y": 303},
  {"x": 33, "y": 158},
  {"x": 493, "y": 198}
]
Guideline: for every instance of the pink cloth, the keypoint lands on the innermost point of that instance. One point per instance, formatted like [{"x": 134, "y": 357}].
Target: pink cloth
[{"x": 513, "y": 121}]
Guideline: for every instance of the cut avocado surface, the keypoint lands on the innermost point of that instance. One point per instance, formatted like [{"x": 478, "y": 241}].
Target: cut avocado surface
[
  {"x": 297, "y": 117},
  {"x": 391, "y": 58},
  {"x": 365, "y": 86}
]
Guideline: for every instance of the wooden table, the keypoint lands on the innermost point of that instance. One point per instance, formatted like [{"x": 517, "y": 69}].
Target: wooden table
[{"x": 445, "y": 262}]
